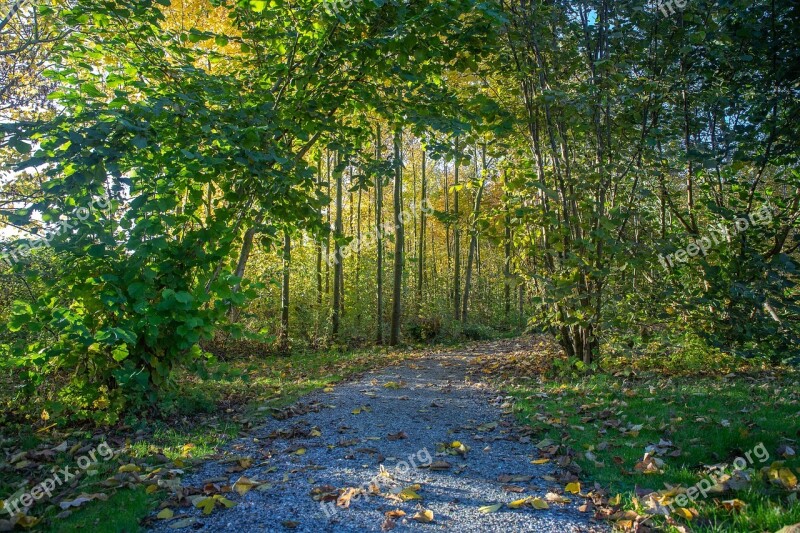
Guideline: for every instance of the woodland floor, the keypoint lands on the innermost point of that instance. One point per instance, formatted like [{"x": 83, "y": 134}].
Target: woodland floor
[
  {"x": 497, "y": 436},
  {"x": 331, "y": 445}
]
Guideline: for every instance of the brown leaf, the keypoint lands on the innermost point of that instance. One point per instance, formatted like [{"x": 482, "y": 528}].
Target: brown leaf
[{"x": 440, "y": 465}]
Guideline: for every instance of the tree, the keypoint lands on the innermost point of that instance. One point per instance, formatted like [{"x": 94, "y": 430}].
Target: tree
[
  {"x": 456, "y": 237},
  {"x": 379, "y": 237},
  {"x": 399, "y": 242},
  {"x": 338, "y": 266},
  {"x": 421, "y": 247},
  {"x": 473, "y": 241}
]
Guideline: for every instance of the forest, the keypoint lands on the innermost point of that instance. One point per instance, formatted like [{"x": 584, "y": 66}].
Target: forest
[{"x": 569, "y": 227}]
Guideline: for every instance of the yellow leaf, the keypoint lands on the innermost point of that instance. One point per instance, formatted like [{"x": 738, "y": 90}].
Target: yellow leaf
[
  {"x": 224, "y": 501},
  {"x": 455, "y": 444},
  {"x": 187, "y": 448},
  {"x": 129, "y": 468},
  {"x": 299, "y": 451},
  {"x": 206, "y": 505},
  {"x": 409, "y": 493},
  {"x": 425, "y": 516},
  {"x": 540, "y": 461},
  {"x": 356, "y": 411},
  {"x": 490, "y": 508},
  {"x": 178, "y": 463},
  {"x": 538, "y": 503},
  {"x": 616, "y": 500},
  {"x": 787, "y": 477},
  {"x": 243, "y": 485},
  {"x": 45, "y": 415},
  {"x": 684, "y": 513},
  {"x": 27, "y": 521},
  {"x": 733, "y": 505},
  {"x": 516, "y": 504},
  {"x": 151, "y": 489},
  {"x": 315, "y": 433},
  {"x": 327, "y": 389},
  {"x": 165, "y": 514},
  {"x": 573, "y": 488}
]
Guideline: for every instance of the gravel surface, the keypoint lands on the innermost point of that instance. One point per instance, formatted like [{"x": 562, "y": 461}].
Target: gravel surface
[{"x": 430, "y": 400}]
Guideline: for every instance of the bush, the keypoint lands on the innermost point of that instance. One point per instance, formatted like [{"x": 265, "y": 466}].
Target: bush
[
  {"x": 478, "y": 332},
  {"x": 424, "y": 328}
]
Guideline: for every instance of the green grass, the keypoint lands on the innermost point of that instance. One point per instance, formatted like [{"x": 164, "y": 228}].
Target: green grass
[
  {"x": 710, "y": 420},
  {"x": 120, "y": 513}
]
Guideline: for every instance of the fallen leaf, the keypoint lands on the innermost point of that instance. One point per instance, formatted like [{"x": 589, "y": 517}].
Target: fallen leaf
[
  {"x": 165, "y": 514},
  {"x": 440, "y": 465},
  {"x": 409, "y": 493},
  {"x": 243, "y": 485},
  {"x": 733, "y": 505},
  {"x": 424, "y": 516},
  {"x": 180, "y": 524},
  {"x": 556, "y": 498},
  {"x": 516, "y": 504},
  {"x": 490, "y": 508},
  {"x": 538, "y": 503},
  {"x": 397, "y": 436}
]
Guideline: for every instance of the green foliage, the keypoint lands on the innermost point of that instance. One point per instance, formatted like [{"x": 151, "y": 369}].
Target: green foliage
[{"x": 478, "y": 332}]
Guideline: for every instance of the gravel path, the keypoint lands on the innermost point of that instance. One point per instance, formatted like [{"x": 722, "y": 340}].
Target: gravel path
[{"x": 427, "y": 401}]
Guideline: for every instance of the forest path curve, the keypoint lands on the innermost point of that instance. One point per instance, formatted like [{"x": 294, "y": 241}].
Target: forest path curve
[{"x": 433, "y": 399}]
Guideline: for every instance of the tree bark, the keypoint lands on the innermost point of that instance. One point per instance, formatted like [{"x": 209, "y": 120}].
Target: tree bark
[
  {"x": 337, "y": 254},
  {"x": 473, "y": 241},
  {"x": 507, "y": 250},
  {"x": 283, "y": 338},
  {"x": 394, "y": 336},
  {"x": 456, "y": 241},
  {"x": 421, "y": 252},
  {"x": 379, "y": 237}
]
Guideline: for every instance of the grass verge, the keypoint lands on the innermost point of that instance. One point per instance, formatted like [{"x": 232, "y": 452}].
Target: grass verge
[{"x": 645, "y": 437}]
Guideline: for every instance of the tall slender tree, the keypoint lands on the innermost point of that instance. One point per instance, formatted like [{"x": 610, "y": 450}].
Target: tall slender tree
[
  {"x": 337, "y": 254},
  {"x": 456, "y": 238},
  {"x": 399, "y": 241},
  {"x": 379, "y": 236}
]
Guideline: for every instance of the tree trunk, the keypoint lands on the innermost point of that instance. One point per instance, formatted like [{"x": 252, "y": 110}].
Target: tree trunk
[
  {"x": 328, "y": 236},
  {"x": 473, "y": 242},
  {"x": 283, "y": 338},
  {"x": 456, "y": 241},
  {"x": 394, "y": 337},
  {"x": 337, "y": 254},
  {"x": 507, "y": 251},
  {"x": 379, "y": 236},
  {"x": 421, "y": 252},
  {"x": 319, "y": 246},
  {"x": 356, "y": 283}
]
